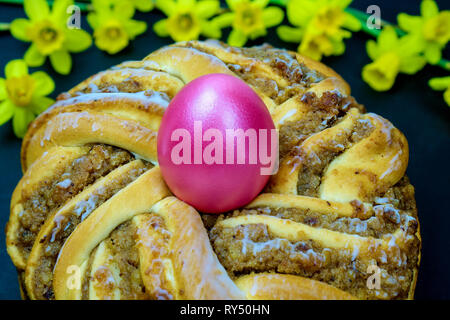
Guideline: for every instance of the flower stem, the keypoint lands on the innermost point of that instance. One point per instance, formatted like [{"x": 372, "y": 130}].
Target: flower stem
[
  {"x": 444, "y": 64},
  {"x": 82, "y": 6},
  {"x": 363, "y": 17}
]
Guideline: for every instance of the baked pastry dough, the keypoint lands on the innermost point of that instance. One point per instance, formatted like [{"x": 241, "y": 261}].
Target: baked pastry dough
[{"x": 93, "y": 219}]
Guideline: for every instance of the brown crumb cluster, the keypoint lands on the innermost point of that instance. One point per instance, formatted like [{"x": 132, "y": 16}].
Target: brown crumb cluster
[
  {"x": 54, "y": 192},
  {"x": 121, "y": 244},
  {"x": 322, "y": 113},
  {"x": 63, "y": 228},
  {"x": 298, "y": 76},
  {"x": 252, "y": 248}
]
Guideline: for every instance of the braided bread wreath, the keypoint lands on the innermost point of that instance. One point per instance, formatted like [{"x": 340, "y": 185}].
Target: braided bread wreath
[{"x": 93, "y": 219}]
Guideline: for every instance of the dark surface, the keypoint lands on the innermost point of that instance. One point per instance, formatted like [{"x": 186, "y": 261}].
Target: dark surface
[{"x": 420, "y": 113}]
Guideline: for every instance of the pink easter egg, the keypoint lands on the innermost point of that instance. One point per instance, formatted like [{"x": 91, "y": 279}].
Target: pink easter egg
[{"x": 215, "y": 140}]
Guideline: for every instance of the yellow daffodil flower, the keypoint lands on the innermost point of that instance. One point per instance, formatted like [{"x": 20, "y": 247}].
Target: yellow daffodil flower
[
  {"x": 249, "y": 19},
  {"x": 391, "y": 55},
  {"x": 22, "y": 96},
  {"x": 431, "y": 29},
  {"x": 187, "y": 19},
  {"x": 49, "y": 34},
  {"x": 319, "y": 26},
  {"x": 113, "y": 24},
  {"x": 440, "y": 84}
]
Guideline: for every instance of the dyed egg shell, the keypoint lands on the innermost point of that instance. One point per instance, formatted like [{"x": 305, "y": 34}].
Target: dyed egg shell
[{"x": 194, "y": 164}]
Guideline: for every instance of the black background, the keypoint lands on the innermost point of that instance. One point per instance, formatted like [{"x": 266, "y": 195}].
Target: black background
[{"x": 420, "y": 113}]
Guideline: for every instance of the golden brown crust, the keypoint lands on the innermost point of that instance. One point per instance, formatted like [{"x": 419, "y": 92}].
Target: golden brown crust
[
  {"x": 44, "y": 168},
  {"x": 195, "y": 265},
  {"x": 122, "y": 207},
  {"x": 62, "y": 219},
  {"x": 267, "y": 286}
]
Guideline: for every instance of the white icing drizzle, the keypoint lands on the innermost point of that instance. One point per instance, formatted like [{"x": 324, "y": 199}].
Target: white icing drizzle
[
  {"x": 66, "y": 183},
  {"x": 59, "y": 219},
  {"x": 85, "y": 208},
  {"x": 147, "y": 98},
  {"x": 288, "y": 114}
]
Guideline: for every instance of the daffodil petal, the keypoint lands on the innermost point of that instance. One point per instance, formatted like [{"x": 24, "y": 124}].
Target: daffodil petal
[
  {"x": 59, "y": 10},
  {"x": 160, "y": 28},
  {"x": 289, "y": 34},
  {"x": 33, "y": 57},
  {"x": 447, "y": 96},
  {"x": 211, "y": 30},
  {"x": 40, "y": 104},
  {"x": 410, "y": 44},
  {"x": 21, "y": 119},
  {"x": 232, "y": 3},
  {"x": 101, "y": 5},
  {"x": 3, "y": 92},
  {"x": 257, "y": 33},
  {"x": 77, "y": 40},
  {"x": 61, "y": 61},
  {"x": 372, "y": 49},
  {"x": 16, "y": 68},
  {"x": 428, "y": 8},
  {"x": 44, "y": 85},
  {"x": 343, "y": 3},
  {"x": 144, "y": 5},
  {"x": 93, "y": 20},
  {"x": 261, "y": 3},
  {"x": 433, "y": 53},
  {"x": 123, "y": 9},
  {"x": 412, "y": 64},
  {"x": 338, "y": 48},
  {"x": 187, "y": 3},
  {"x": 135, "y": 28},
  {"x": 299, "y": 12},
  {"x": 236, "y": 38},
  {"x": 272, "y": 16},
  {"x": 387, "y": 39},
  {"x": 409, "y": 23},
  {"x": 6, "y": 111},
  {"x": 314, "y": 54},
  {"x": 224, "y": 20},
  {"x": 166, "y": 6},
  {"x": 207, "y": 8},
  {"x": 19, "y": 29},
  {"x": 381, "y": 74},
  {"x": 439, "y": 83},
  {"x": 36, "y": 9},
  {"x": 351, "y": 22}
]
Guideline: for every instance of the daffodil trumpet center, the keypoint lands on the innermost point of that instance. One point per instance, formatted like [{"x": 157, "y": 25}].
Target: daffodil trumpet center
[
  {"x": 113, "y": 33},
  {"x": 185, "y": 21},
  {"x": 248, "y": 18},
  {"x": 47, "y": 36},
  {"x": 20, "y": 90},
  {"x": 315, "y": 46},
  {"x": 184, "y": 25},
  {"x": 330, "y": 19},
  {"x": 437, "y": 29},
  {"x": 382, "y": 72},
  {"x": 111, "y": 37}
]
